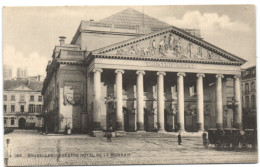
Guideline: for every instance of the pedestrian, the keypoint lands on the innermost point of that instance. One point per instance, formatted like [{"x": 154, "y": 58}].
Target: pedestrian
[
  {"x": 179, "y": 138},
  {"x": 66, "y": 129},
  {"x": 8, "y": 149},
  {"x": 204, "y": 137},
  {"x": 109, "y": 135}
]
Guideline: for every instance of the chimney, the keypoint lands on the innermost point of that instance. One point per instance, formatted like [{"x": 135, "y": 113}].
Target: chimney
[{"x": 62, "y": 40}]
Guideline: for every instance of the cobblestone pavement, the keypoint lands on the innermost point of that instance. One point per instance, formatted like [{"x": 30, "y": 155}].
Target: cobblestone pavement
[{"x": 32, "y": 149}]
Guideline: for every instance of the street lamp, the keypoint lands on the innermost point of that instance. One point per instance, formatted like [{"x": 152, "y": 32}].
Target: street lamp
[
  {"x": 110, "y": 102},
  {"x": 233, "y": 105}
]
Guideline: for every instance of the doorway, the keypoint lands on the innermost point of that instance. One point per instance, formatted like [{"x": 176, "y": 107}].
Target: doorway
[{"x": 22, "y": 122}]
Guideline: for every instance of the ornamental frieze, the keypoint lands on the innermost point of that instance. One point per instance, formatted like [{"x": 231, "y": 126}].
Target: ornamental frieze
[{"x": 169, "y": 46}]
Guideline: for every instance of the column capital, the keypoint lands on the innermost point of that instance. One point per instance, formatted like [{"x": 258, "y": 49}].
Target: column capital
[
  {"x": 119, "y": 71},
  {"x": 219, "y": 75},
  {"x": 237, "y": 76},
  {"x": 97, "y": 69},
  {"x": 181, "y": 73},
  {"x": 200, "y": 75},
  {"x": 161, "y": 73},
  {"x": 140, "y": 72}
]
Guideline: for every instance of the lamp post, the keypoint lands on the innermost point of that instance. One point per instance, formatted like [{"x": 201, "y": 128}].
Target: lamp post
[
  {"x": 233, "y": 105},
  {"x": 109, "y": 101}
]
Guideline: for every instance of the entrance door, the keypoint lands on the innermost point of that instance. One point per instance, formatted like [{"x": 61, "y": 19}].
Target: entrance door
[{"x": 22, "y": 122}]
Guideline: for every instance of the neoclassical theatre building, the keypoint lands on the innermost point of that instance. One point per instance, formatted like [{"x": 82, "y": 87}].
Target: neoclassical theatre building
[{"x": 132, "y": 72}]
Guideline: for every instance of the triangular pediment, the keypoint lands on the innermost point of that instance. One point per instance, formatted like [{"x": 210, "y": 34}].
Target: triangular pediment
[
  {"x": 171, "y": 43},
  {"x": 21, "y": 88}
]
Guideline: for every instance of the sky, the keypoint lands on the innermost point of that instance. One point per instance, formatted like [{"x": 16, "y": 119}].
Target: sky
[{"x": 30, "y": 33}]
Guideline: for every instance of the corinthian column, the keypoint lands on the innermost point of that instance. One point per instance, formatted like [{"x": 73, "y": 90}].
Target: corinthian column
[
  {"x": 200, "y": 102},
  {"x": 97, "y": 100},
  {"x": 119, "y": 96},
  {"x": 160, "y": 101},
  {"x": 180, "y": 114},
  {"x": 140, "y": 100},
  {"x": 238, "y": 113},
  {"x": 219, "y": 102}
]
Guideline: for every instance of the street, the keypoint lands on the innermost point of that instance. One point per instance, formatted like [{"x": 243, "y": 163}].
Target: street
[{"x": 33, "y": 149}]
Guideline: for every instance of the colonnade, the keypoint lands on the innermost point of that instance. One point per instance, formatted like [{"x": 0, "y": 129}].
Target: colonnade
[{"x": 161, "y": 102}]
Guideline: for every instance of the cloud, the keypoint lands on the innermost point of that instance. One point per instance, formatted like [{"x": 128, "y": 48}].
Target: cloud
[
  {"x": 208, "y": 22},
  {"x": 35, "y": 63},
  {"x": 233, "y": 36}
]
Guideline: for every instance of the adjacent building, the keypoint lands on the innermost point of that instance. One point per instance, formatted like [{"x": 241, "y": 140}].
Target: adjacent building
[
  {"x": 22, "y": 104},
  {"x": 132, "y": 72},
  {"x": 248, "y": 85}
]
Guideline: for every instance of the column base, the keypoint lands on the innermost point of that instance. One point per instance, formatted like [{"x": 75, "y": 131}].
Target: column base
[
  {"x": 181, "y": 130},
  {"x": 180, "y": 127},
  {"x": 119, "y": 126},
  {"x": 200, "y": 127},
  {"x": 96, "y": 126},
  {"x": 161, "y": 131},
  {"x": 140, "y": 126},
  {"x": 120, "y": 133},
  {"x": 141, "y": 131},
  {"x": 238, "y": 126},
  {"x": 219, "y": 126},
  {"x": 160, "y": 128},
  {"x": 97, "y": 133}
]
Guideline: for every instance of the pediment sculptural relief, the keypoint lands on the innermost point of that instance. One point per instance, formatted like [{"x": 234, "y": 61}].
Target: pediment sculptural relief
[{"x": 169, "y": 46}]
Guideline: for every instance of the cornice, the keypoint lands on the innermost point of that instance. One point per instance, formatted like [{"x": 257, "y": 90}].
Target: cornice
[{"x": 164, "y": 59}]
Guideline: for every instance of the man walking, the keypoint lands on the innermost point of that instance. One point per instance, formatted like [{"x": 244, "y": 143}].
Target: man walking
[{"x": 179, "y": 138}]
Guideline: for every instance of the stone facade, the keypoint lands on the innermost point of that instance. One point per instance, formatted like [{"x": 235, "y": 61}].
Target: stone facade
[
  {"x": 23, "y": 104},
  {"x": 248, "y": 87},
  {"x": 135, "y": 78}
]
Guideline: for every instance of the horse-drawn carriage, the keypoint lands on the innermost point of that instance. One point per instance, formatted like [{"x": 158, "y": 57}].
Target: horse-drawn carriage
[{"x": 232, "y": 138}]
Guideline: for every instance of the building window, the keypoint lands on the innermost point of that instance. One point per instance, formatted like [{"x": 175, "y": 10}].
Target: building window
[
  {"x": 5, "y": 97},
  {"x": 252, "y": 86},
  {"x": 5, "y": 107},
  {"x": 247, "y": 102},
  {"x": 253, "y": 101},
  {"x": 5, "y": 121},
  {"x": 31, "y": 108},
  {"x": 246, "y": 87},
  {"x": 242, "y": 88},
  {"x": 253, "y": 72},
  {"x": 39, "y": 108},
  {"x": 22, "y": 108},
  {"x": 39, "y": 98},
  {"x": 22, "y": 98},
  {"x": 12, "y": 121},
  {"x": 12, "y": 97},
  {"x": 31, "y": 98},
  {"x": 12, "y": 108}
]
